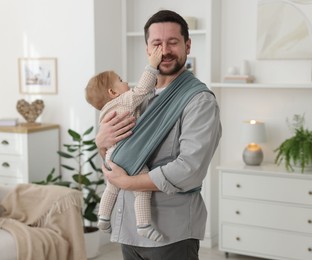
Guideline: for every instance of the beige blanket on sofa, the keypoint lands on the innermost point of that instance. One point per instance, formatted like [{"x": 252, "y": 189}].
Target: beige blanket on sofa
[{"x": 45, "y": 222}]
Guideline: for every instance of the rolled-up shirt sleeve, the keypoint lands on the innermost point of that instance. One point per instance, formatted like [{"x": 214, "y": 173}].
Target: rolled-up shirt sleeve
[{"x": 200, "y": 132}]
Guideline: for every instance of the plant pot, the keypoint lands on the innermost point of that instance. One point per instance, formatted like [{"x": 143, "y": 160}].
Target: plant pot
[
  {"x": 92, "y": 241},
  {"x": 307, "y": 168}
]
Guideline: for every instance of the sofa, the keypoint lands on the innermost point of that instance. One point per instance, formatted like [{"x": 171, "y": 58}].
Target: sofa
[
  {"x": 7, "y": 242},
  {"x": 41, "y": 222}
]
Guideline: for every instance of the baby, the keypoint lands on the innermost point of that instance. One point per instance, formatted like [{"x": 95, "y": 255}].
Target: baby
[{"x": 107, "y": 92}]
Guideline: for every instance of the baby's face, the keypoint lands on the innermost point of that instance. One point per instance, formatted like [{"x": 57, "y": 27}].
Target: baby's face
[{"x": 120, "y": 86}]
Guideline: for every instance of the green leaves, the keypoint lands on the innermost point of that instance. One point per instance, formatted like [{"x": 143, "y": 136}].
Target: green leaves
[
  {"x": 49, "y": 179},
  {"x": 296, "y": 151},
  {"x": 76, "y": 137},
  {"x": 81, "y": 179},
  {"x": 85, "y": 175}
]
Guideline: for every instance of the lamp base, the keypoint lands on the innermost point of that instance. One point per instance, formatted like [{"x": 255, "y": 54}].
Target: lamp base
[{"x": 253, "y": 155}]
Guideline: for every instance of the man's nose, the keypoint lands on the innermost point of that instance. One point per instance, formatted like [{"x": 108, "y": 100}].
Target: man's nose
[{"x": 165, "y": 48}]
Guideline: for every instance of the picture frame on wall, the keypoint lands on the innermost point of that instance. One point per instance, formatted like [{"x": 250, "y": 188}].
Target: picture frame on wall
[
  {"x": 284, "y": 30},
  {"x": 190, "y": 64},
  {"x": 37, "y": 75}
]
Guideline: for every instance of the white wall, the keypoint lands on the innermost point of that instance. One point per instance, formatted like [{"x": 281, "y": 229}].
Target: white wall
[
  {"x": 273, "y": 106},
  {"x": 42, "y": 28},
  {"x": 107, "y": 23}
]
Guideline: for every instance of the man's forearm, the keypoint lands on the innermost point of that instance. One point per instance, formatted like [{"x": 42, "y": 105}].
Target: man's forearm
[
  {"x": 118, "y": 177},
  {"x": 140, "y": 182}
]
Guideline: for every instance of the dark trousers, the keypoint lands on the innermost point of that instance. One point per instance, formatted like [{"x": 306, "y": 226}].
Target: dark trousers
[{"x": 183, "y": 250}]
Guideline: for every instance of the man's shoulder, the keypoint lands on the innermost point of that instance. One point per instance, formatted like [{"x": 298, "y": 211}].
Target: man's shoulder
[
  {"x": 203, "y": 95},
  {"x": 202, "y": 101}
]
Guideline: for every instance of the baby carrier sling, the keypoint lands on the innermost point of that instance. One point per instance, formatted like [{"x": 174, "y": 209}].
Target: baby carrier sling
[{"x": 155, "y": 123}]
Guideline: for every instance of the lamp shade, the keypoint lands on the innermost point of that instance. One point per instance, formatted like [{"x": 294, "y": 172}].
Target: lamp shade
[{"x": 253, "y": 132}]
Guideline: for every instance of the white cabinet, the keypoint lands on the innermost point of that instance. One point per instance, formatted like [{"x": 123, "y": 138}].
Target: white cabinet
[
  {"x": 265, "y": 211},
  {"x": 28, "y": 152}
]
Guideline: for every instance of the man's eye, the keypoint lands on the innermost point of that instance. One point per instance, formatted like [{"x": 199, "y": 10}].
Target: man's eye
[{"x": 173, "y": 43}]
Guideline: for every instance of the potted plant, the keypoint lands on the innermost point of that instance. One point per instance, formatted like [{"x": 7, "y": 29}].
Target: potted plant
[
  {"x": 296, "y": 151},
  {"x": 85, "y": 176}
]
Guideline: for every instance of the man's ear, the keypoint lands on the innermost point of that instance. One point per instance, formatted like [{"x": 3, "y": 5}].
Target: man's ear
[
  {"x": 188, "y": 46},
  {"x": 112, "y": 93}
]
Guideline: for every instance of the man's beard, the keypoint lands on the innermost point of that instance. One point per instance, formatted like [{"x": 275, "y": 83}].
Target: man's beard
[{"x": 177, "y": 67}]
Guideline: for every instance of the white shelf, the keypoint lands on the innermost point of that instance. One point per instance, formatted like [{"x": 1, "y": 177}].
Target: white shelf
[{"x": 262, "y": 85}]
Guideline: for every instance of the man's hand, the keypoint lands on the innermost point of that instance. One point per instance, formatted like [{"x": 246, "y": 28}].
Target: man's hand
[
  {"x": 113, "y": 129},
  {"x": 119, "y": 178},
  {"x": 116, "y": 176}
]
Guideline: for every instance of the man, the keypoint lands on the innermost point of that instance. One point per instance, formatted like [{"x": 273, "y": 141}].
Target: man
[{"x": 180, "y": 162}]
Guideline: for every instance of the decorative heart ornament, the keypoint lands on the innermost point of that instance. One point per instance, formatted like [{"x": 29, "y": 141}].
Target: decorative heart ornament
[{"x": 30, "y": 111}]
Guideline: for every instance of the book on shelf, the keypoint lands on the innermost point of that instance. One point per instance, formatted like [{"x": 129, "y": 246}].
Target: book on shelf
[
  {"x": 8, "y": 121},
  {"x": 239, "y": 79}
]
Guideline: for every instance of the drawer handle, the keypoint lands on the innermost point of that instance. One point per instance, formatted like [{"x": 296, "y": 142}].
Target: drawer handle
[
  {"x": 237, "y": 238},
  {"x": 310, "y": 249},
  {"x": 310, "y": 221},
  {"x": 238, "y": 186},
  {"x": 237, "y": 212},
  {"x": 310, "y": 192},
  {"x": 4, "y": 142},
  {"x": 6, "y": 165}
]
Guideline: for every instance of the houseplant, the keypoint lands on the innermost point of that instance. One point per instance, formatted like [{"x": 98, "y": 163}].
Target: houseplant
[
  {"x": 296, "y": 151},
  {"x": 85, "y": 176}
]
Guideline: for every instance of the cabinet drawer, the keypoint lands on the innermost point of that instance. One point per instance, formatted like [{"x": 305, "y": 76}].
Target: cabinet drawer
[
  {"x": 11, "y": 143},
  {"x": 270, "y": 188},
  {"x": 267, "y": 215},
  {"x": 266, "y": 243},
  {"x": 10, "y": 181},
  {"x": 11, "y": 166}
]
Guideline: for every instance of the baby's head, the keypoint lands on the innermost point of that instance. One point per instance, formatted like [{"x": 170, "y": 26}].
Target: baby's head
[{"x": 104, "y": 87}]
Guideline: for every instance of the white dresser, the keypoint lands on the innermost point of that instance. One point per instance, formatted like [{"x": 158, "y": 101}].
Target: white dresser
[
  {"x": 265, "y": 211},
  {"x": 28, "y": 152}
]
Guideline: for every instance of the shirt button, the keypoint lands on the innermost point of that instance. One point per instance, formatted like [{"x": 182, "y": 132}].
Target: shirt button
[{"x": 119, "y": 210}]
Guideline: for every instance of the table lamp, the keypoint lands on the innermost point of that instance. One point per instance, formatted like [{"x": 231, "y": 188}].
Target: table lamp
[{"x": 253, "y": 133}]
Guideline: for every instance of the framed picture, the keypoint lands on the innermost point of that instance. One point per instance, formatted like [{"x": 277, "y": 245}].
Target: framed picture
[
  {"x": 190, "y": 64},
  {"x": 284, "y": 30},
  {"x": 38, "y": 75}
]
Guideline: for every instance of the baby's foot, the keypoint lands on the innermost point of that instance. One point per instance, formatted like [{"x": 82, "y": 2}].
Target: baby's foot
[
  {"x": 149, "y": 232},
  {"x": 104, "y": 224}
]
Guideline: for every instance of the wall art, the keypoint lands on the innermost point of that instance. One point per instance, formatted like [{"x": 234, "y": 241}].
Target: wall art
[
  {"x": 284, "y": 29},
  {"x": 38, "y": 75}
]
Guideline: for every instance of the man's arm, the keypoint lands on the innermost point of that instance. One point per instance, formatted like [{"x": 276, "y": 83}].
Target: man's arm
[
  {"x": 199, "y": 137},
  {"x": 119, "y": 177}
]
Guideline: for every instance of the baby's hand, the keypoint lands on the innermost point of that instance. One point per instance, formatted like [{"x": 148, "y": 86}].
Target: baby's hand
[{"x": 155, "y": 57}]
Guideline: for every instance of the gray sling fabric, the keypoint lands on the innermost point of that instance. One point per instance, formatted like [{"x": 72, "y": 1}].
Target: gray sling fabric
[{"x": 154, "y": 124}]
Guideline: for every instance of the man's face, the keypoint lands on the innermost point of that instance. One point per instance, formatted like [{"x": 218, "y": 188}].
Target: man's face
[{"x": 175, "y": 50}]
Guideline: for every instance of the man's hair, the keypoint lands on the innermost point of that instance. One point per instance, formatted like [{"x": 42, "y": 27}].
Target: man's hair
[
  {"x": 167, "y": 16},
  {"x": 96, "y": 91}
]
